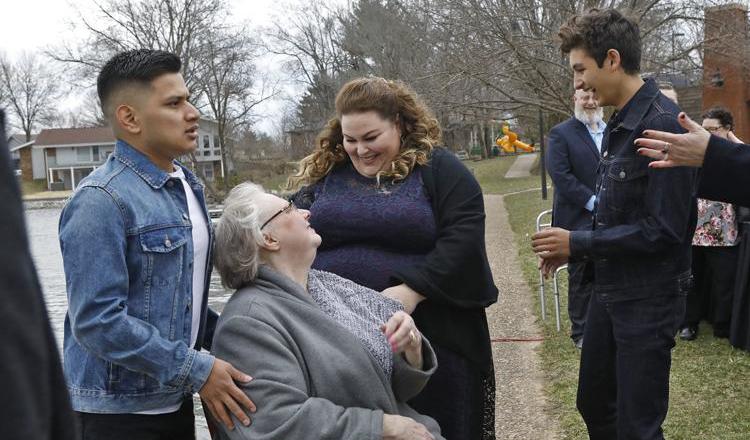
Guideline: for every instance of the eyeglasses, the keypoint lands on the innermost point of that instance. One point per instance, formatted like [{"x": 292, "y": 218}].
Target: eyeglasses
[
  {"x": 288, "y": 208},
  {"x": 713, "y": 129}
]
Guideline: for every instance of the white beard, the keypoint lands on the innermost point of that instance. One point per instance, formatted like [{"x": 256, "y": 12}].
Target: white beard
[{"x": 589, "y": 117}]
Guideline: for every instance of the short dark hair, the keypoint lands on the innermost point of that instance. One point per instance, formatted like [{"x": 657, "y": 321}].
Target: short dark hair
[
  {"x": 598, "y": 31},
  {"x": 139, "y": 66},
  {"x": 722, "y": 114}
]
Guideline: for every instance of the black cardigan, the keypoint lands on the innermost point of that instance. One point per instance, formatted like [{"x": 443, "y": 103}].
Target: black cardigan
[
  {"x": 455, "y": 276},
  {"x": 726, "y": 172}
]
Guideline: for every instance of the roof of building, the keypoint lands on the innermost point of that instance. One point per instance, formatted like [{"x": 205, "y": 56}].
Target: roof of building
[
  {"x": 17, "y": 139},
  {"x": 55, "y": 137},
  {"x": 19, "y": 146}
]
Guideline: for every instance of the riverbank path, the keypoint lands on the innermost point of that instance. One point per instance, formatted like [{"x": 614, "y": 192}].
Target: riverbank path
[{"x": 520, "y": 401}]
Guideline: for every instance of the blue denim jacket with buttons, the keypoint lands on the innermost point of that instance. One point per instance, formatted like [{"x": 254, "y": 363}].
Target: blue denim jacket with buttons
[
  {"x": 127, "y": 250},
  {"x": 644, "y": 218}
]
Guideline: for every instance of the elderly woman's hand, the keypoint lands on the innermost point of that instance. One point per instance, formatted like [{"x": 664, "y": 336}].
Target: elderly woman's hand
[
  {"x": 404, "y": 428},
  {"x": 404, "y": 337},
  {"x": 675, "y": 150}
]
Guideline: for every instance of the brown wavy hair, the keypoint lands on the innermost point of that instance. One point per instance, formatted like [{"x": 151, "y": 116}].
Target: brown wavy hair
[{"x": 392, "y": 100}]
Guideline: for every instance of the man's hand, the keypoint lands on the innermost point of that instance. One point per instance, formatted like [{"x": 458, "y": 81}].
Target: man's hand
[
  {"x": 549, "y": 266},
  {"x": 551, "y": 243},
  {"x": 404, "y": 428},
  {"x": 220, "y": 393},
  {"x": 405, "y": 295}
]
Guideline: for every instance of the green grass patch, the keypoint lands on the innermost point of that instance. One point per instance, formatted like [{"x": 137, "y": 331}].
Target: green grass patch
[
  {"x": 491, "y": 176},
  {"x": 33, "y": 187},
  {"x": 710, "y": 381}
]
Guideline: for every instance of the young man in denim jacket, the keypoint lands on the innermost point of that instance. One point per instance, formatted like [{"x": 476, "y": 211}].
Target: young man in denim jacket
[
  {"x": 639, "y": 247},
  {"x": 136, "y": 245}
]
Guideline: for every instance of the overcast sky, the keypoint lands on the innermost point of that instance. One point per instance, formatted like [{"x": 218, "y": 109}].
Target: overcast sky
[{"x": 34, "y": 25}]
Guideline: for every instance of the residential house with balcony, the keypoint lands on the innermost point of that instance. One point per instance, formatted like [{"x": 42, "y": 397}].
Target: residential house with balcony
[{"x": 66, "y": 155}]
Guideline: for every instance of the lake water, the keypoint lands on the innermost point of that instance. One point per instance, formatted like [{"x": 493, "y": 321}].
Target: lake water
[{"x": 45, "y": 249}]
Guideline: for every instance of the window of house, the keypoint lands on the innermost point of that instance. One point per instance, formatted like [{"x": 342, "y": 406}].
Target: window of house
[
  {"x": 95, "y": 152},
  {"x": 206, "y": 142},
  {"x": 208, "y": 171},
  {"x": 206, "y": 152},
  {"x": 83, "y": 154}
]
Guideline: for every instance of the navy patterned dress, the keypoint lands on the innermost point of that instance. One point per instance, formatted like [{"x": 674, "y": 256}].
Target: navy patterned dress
[{"x": 368, "y": 230}]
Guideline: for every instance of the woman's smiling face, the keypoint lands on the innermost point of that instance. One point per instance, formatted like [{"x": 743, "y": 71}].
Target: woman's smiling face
[{"x": 370, "y": 141}]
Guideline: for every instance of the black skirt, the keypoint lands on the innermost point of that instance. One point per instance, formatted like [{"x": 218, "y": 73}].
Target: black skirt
[
  {"x": 739, "y": 335},
  {"x": 460, "y": 396}
]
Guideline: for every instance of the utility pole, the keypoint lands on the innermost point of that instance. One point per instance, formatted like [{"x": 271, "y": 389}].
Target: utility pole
[
  {"x": 542, "y": 165},
  {"x": 674, "y": 34}
]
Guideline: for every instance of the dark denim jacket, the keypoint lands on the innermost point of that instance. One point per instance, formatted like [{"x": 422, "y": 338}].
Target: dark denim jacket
[
  {"x": 645, "y": 218},
  {"x": 127, "y": 250}
]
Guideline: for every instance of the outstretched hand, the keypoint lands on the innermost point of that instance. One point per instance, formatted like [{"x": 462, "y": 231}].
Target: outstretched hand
[{"x": 672, "y": 149}]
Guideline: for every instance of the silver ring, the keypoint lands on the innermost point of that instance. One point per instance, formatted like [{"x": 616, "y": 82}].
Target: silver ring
[{"x": 665, "y": 149}]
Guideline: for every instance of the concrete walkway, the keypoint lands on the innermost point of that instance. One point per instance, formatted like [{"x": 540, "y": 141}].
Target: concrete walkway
[
  {"x": 520, "y": 401},
  {"x": 521, "y": 166}
]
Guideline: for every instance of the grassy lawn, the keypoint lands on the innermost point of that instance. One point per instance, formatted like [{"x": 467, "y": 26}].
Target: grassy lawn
[
  {"x": 490, "y": 174},
  {"x": 710, "y": 383},
  {"x": 33, "y": 187}
]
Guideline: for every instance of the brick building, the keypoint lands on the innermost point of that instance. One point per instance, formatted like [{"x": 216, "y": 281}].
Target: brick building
[{"x": 726, "y": 63}]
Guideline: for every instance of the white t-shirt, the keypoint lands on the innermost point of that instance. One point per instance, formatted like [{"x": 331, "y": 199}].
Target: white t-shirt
[{"x": 200, "y": 254}]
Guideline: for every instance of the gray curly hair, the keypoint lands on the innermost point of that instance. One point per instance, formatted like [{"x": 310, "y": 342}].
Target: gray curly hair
[{"x": 238, "y": 237}]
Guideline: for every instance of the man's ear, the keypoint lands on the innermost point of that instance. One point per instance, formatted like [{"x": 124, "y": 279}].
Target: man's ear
[
  {"x": 127, "y": 119},
  {"x": 613, "y": 59}
]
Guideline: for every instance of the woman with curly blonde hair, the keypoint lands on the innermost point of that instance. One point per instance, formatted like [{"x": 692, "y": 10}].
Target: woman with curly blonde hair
[{"x": 401, "y": 215}]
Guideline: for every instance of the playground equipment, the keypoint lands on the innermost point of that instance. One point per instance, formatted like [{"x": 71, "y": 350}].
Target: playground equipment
[{"x": 509, "y": 142}]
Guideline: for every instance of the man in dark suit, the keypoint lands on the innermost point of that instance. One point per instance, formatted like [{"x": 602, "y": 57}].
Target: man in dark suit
[
  {"x": 572, "y": 158},
  {"x": 35, "y": 403}
]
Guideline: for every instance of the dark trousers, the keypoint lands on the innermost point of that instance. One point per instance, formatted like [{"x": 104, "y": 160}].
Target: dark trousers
[
  {"x": 623, "y": 384},
  {"x": 580, "y": 287},
  {"x": 714, "y": 272},
  {"x": 178, "y": 425}
]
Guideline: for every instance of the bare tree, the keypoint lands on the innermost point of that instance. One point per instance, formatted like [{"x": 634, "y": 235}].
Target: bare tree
[
  {"x": 32, "y": 89},
  {"x": 217, "y": 59},
  {"x": 178, "y": 26},
  {"x": 310, "y": 37},
  {"x": 87, "y": 114},
  {"x": 228, "y": 83}
]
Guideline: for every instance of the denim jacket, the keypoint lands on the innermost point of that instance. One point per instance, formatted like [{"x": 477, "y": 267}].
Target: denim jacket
[
  {"x": 645, "y": 218},
  {"x": 127, "y": 249}
]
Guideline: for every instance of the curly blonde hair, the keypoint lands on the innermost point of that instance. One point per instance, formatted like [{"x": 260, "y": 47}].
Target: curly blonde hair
[{"x": 392, "y": 100}]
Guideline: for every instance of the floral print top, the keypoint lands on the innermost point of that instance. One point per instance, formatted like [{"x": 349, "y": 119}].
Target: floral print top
[{"x": 717, "y": 224}]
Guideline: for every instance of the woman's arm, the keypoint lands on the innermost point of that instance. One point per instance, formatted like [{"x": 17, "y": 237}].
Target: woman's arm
[{"x": 455, "y": 271}]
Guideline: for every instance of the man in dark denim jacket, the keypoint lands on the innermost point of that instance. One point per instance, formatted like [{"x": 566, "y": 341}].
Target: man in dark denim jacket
[
  {"x": 136, "y": 246},
  {"x": 639, "y": 247}
]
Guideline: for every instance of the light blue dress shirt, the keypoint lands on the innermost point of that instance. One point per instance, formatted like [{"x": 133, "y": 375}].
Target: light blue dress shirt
[{"x": 597, "y": 134}]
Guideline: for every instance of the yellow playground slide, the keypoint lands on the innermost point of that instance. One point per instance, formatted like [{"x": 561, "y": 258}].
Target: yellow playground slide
[{"x": 509, "y": 142}]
